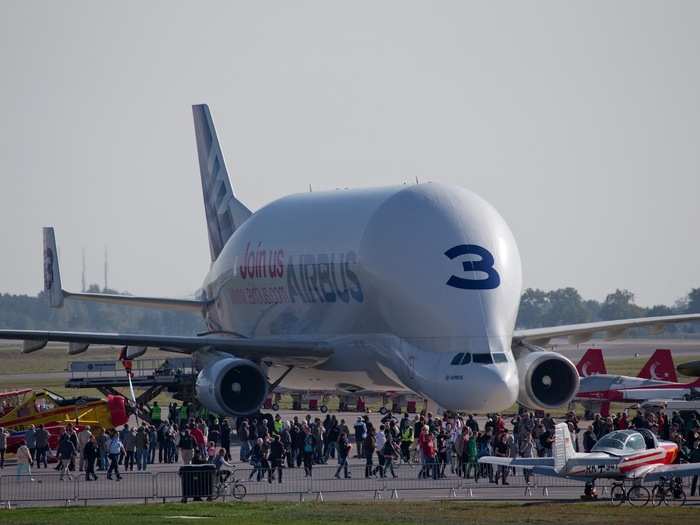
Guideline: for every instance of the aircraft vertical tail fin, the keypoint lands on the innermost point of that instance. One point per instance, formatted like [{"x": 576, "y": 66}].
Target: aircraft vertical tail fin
[
  {"x": 224, "y": 212},
  {"x": 591, "y": 363},
  {"x": 563, "y": 447},
  {"x": 52, "y": 274},
  {"x": 660, "y": 366}
]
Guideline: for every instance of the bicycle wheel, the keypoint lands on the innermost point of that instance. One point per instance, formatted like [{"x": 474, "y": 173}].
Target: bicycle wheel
[
  {"x": 638, "y": 496},
  {"x": 658, "y": 495},
  {"x": 239, "y": 491},
  {"x": 617, "y": 495},
  {"x": 676, "y": 499}
]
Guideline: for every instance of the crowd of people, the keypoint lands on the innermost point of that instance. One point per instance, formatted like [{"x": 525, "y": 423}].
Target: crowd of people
[{"x": 437, "y": 446}]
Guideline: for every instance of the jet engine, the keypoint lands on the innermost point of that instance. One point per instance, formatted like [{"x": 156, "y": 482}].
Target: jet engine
[
  {"x": 232, "y": 386},
  {"x": 547, "y": 380}
]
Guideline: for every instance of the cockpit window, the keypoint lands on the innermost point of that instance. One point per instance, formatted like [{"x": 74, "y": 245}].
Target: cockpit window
[
  {"x": 483, "y": 359},
  {"x": 636, "y": 442},
  {"x": 623, "y": 441},
  {"x": 612, "y": 440},
  {"x": 467, "y": 359},
  {"x": 500, "y": 358},
  {"x": 457, "y": 359}
]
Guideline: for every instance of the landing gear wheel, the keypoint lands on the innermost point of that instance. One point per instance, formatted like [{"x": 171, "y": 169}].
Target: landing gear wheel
[
  {"x": 638, "y": 496},
  {"x": 275, "y": 407},
  {"x": 589, "y": 492},
  {"x": 617, "y": 494},
  {"x": 323, "y": 409}
]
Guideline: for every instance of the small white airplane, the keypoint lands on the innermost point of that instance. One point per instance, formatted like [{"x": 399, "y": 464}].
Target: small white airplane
[
  {"x": 622, "y": 455},
  {"x": 399, "y": 289}
]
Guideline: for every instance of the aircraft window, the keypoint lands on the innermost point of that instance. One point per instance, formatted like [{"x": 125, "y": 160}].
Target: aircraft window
[
  {"x": 483, "y": 359},
  {"x": 500, "y": 358},
  {"x": 457, "y": 359},
  {"x": 612, "y": 440},
  {"x": 467, "y": 359},
  {"x": 636, "y": 442}
]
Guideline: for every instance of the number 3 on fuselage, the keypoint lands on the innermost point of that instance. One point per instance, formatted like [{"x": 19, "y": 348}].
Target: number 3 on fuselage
[{"x": 485, "y": 265}]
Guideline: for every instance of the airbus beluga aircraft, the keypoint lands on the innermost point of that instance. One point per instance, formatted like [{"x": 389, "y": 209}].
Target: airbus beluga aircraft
[{"x": 403, "y": 289}]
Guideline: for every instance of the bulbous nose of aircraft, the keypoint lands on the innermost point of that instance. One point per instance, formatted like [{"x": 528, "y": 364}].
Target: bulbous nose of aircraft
[{"x": 485, "y": 388}]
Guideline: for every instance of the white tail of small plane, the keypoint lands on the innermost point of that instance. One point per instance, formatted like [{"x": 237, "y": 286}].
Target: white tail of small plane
[{"x": 563, "y": 447}]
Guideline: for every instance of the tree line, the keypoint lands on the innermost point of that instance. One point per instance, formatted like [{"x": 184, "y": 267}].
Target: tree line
[
  {"x": 566, "y": 306},
  {"x": 537, "y": 308}
]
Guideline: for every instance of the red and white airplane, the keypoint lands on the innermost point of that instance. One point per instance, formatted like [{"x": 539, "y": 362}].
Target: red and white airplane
[
  {"x": 656, "y": 380},
  {"x": 623, "y": 455}
]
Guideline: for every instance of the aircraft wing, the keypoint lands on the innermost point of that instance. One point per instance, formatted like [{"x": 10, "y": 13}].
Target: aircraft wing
[
  {"x": 666, "y": 471},
  {"x": 578, "y": 333},
  {"x": 518, "y": 462},
  {"x": 290, "y": 351}
]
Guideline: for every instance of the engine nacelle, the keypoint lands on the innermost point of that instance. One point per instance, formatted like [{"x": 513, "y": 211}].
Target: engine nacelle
[
  {"x": 232, "y": 387},
  {"x": 547, "y": 380}
]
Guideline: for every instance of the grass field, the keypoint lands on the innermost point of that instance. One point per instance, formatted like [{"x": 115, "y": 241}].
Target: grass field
[{"x": 349, "y": 513}]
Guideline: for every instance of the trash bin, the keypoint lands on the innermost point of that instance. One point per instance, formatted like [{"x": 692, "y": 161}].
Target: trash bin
[{"x": 197, "y": 481}]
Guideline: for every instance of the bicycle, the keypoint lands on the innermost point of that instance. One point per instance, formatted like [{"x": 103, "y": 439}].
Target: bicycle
[
  {"x": 227, "y": 485},
  {"x": 668, "y": 491},
  {"x": 636, "y": 495}
]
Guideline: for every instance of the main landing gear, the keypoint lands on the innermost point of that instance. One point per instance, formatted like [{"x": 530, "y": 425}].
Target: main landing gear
[{"x": 589, "y": 491}]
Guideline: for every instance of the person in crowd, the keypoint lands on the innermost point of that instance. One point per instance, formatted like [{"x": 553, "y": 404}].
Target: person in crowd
[
  {"x": 3, "y": 445},
  {"x": 129, "y": 442},
  {"x": 226, "y": 439},
  {"x": 83, "y": 437},
  {"x": 116, "y": 450},
  {"x": 390, "y": 452},
  {"x": 472, "y": 456},
  {"x": 589, "y": 439},
  {"x": 186, "y": 447},
  {"x": 244, "y": 438},
  {"x": 526, "y": 449},
  {"x": 103, "y": 450},
  {"x": 66, "y": 454},
  {"x": 24, "y": 461},
  {"x": 276, "y": 459},
  {"x": 153, "y": 444},
  {"x": 90, "y": 454},
  {"x": 502, "y": 450},
  {"x": 30, "y": 441},
  {"x": 360, "y": 434},
  {"x": 141, "y": 445},
  {"x": 220, "y": 463},
  {"x": 368, "y": 447},
  {"x": 211, "y": 451},
  {"x": 380, "y": 440},
  {"x": 406, "y": 439},
  {"x": 308, "y": 450},
  {"x": 155, "y": 414},
  {"x": 344, "y": 448},
  {"x": 286, "y": 440},
  {"x": 461, "y": 445},
  {"x": 694, "y": 457},
  {"x": 546, "y": 442},
  {"x": 42, "y": 446}
]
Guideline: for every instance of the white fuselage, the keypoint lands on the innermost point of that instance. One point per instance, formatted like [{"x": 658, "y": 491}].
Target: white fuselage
[{"x": 368, "y": 269}]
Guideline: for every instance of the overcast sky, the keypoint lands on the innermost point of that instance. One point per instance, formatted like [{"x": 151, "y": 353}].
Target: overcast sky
[{"x": 578, "y": 121}]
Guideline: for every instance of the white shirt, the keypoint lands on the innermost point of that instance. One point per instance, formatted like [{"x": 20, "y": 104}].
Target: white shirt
[{"x": 380, "y": 439}]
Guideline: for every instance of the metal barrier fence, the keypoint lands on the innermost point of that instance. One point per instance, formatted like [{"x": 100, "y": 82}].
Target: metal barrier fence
[{"x": 165, "y": 486}]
